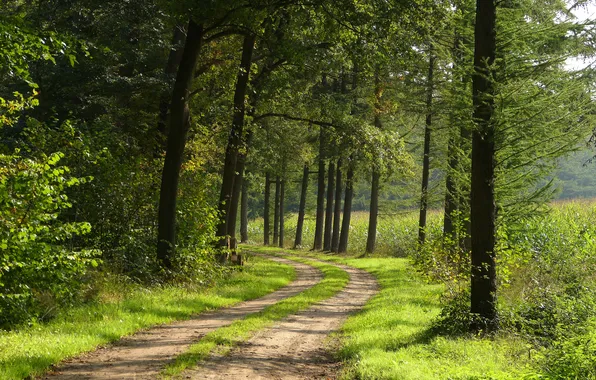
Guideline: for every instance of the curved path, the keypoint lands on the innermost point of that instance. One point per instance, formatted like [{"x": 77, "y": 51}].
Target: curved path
[
  {"x": 294, "y": 348},
  {"x": 144, "y": 354}
]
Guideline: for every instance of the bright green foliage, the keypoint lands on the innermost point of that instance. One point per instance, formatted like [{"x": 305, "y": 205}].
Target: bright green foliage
[{"x": 39, "y": 267}]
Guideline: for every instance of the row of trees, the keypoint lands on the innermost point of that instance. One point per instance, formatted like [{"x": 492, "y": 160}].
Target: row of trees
[{"x": 168, "y": 113}]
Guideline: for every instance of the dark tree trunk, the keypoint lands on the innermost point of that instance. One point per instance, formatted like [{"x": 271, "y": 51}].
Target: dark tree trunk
[
  {"x": 164, "y": 101},
  {"x": 179, "y": 122},
  {"x": 337, "y": 210},
  {"x": 449, "y": 231},
  {"x": 426, "y": 159},
  {"x": 374, "y": 212},
  {"x": 266, "y": 210},
  {"x": 329, "y": 208},
  {"x": 483, "y": 208},
  {"x": 244, "y": 212},
  {"x": 281, "y": 213},
  {"x": 236, "y": 192},
  {"x": 302, "y": 208},
  {"x": 318, "y": 244},
  {"x": 345, "y": 225},
  {"x": 463, "y": 204},
  {"x": 235, "y": 138},
  {"x": 276, "y": 212}
]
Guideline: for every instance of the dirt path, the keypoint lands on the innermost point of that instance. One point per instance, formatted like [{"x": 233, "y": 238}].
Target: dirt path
[
  {"x": 295, "y": 347},
  {"x": 143, "y": 355}
]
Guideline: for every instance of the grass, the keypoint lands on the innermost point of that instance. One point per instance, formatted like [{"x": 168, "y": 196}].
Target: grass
[
  {"x": 223, "y": 339},
  {"x": 30, "y": 351},
  {"x": 391, "y": 337}
]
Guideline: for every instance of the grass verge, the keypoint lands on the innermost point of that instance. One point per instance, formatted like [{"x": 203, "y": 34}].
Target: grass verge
[
  {"x": 223, "y": 339},
  {"x": 30, "y": 351},
  {"x": 391, "y": 337}
]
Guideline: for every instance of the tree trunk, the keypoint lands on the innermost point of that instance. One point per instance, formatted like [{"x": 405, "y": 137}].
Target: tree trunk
[
  {"x": 174, "y": 59},
  {"x": 483, "y": 209},
  {"x": 318, "y": 244},
  {"x": 374, "y": 212},
  {"x": 449, "y": 231},
  {"x": 345, "y": 225},
  {"x": 235, "y": 139},
  {"x": 281, "y": 213},
  {"x": 337, "y": 210},
  {"x": 329, "y": 208},
  {"x": 266, "y": 210},
  {"x": 426, "y": 159},
  {"x": 302, "y": 208},
  {"x": 179, "y": 122},
  {"x": 276, "y": 212},
  {"x": 244, "y": 212},
  {"x": 236, "y": 191}
]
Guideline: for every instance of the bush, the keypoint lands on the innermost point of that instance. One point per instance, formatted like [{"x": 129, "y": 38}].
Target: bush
[{"x": 40, "y": 268}]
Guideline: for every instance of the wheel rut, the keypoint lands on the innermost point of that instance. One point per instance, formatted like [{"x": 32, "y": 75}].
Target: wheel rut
[
  {"x": 144, "y": 354},
  {"x": 294, "y": 348}
]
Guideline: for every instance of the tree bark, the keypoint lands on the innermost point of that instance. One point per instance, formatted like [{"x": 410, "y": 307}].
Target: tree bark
[
  {"x": 281, "y": 213},
  {"x": 426, "y": 159},
  {"x": 244, "y": 212},
  {"x": 329, "y": 208},
  {"x": 302, "y": 208},
  {"x": 235, "y": 139},
  {"x": 236, "y": 191},
  {"x": 337, "y": 210},
  {"x": 483, "y": 209},
  {"x": 449, "y": 231},
  {"x": 266, "y": 222},
  {"x": 374, "y": 212},
  {"x": 174, "y": 59},
  {"x": 276, "y": 212},
  {"x": 318, "y": 244},
  {"x": 179, "y": 123},
  {"x": 345, "y": 225}
]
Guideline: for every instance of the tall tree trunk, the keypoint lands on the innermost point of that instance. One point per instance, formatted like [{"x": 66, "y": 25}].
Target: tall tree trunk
[
  {"x": 329, "y": 208},
  {"x": 318, "y": 244},
  {"x": 266, "y": 222},
  {"x": 302, "y": 208},
  {"x": 276, "y": 212},
  {"x": 449, "y": 231},
  {"x": 174, "y": 59},
  {"x": 426, "y": 159},
  {"x": 235, "y": 138},
  {"x": 244, "y": 212},
  {"x": 345, "y": 225},
  {"x": 236, "y": 191},
  {"x": 483, "y": 209},
  {"x": 281, "y": 213},
  {"x": 374, "y": 212},
  {"x": 179, "y": 123},
  {"x": 337, "y": 210}
]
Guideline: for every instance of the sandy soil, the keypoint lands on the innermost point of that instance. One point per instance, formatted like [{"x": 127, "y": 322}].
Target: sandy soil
[
  {"x": 144, "y": 354},
  {"x": 295, "y": 347}
]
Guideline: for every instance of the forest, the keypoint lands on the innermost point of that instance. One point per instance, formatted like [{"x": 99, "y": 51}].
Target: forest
[{"x": 350, "y": 189}]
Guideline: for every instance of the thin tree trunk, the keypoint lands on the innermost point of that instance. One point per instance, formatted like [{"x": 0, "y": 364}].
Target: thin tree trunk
[
  {"x": 329, "y": 208},
  {"x": 337, "y": 210},
  {"x": 276, "y": 212},
  {"x": 236, "y": 192},
  {"x": 235, "y": 139},
  {"x": 179, "y": 122},
  {"x": 302, "y": 208},
  {"x": 449, "y": 231},
  {"x": 174, "y": 59},
  {"x": 266, "y": 210},
  {"x": 483, "y": 209},
  {"x": 244, "y": 213},
  {"x": 345, "y": 225},
  {"x": 281, "y": 213},
  {"x": 374, "y": 212},
  {"x": 318, "y": 244},
  {"x": 426, "y": 159}
]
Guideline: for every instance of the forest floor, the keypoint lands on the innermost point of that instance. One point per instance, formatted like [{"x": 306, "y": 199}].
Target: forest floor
[{"x": 293, "y": 348}]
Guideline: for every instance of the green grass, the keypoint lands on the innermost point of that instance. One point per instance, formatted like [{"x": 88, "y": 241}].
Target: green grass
[
  {"x": 30, "y": 351},
  {"x": 391, "y": 339},
  {"x": 223, "y": 339}
]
